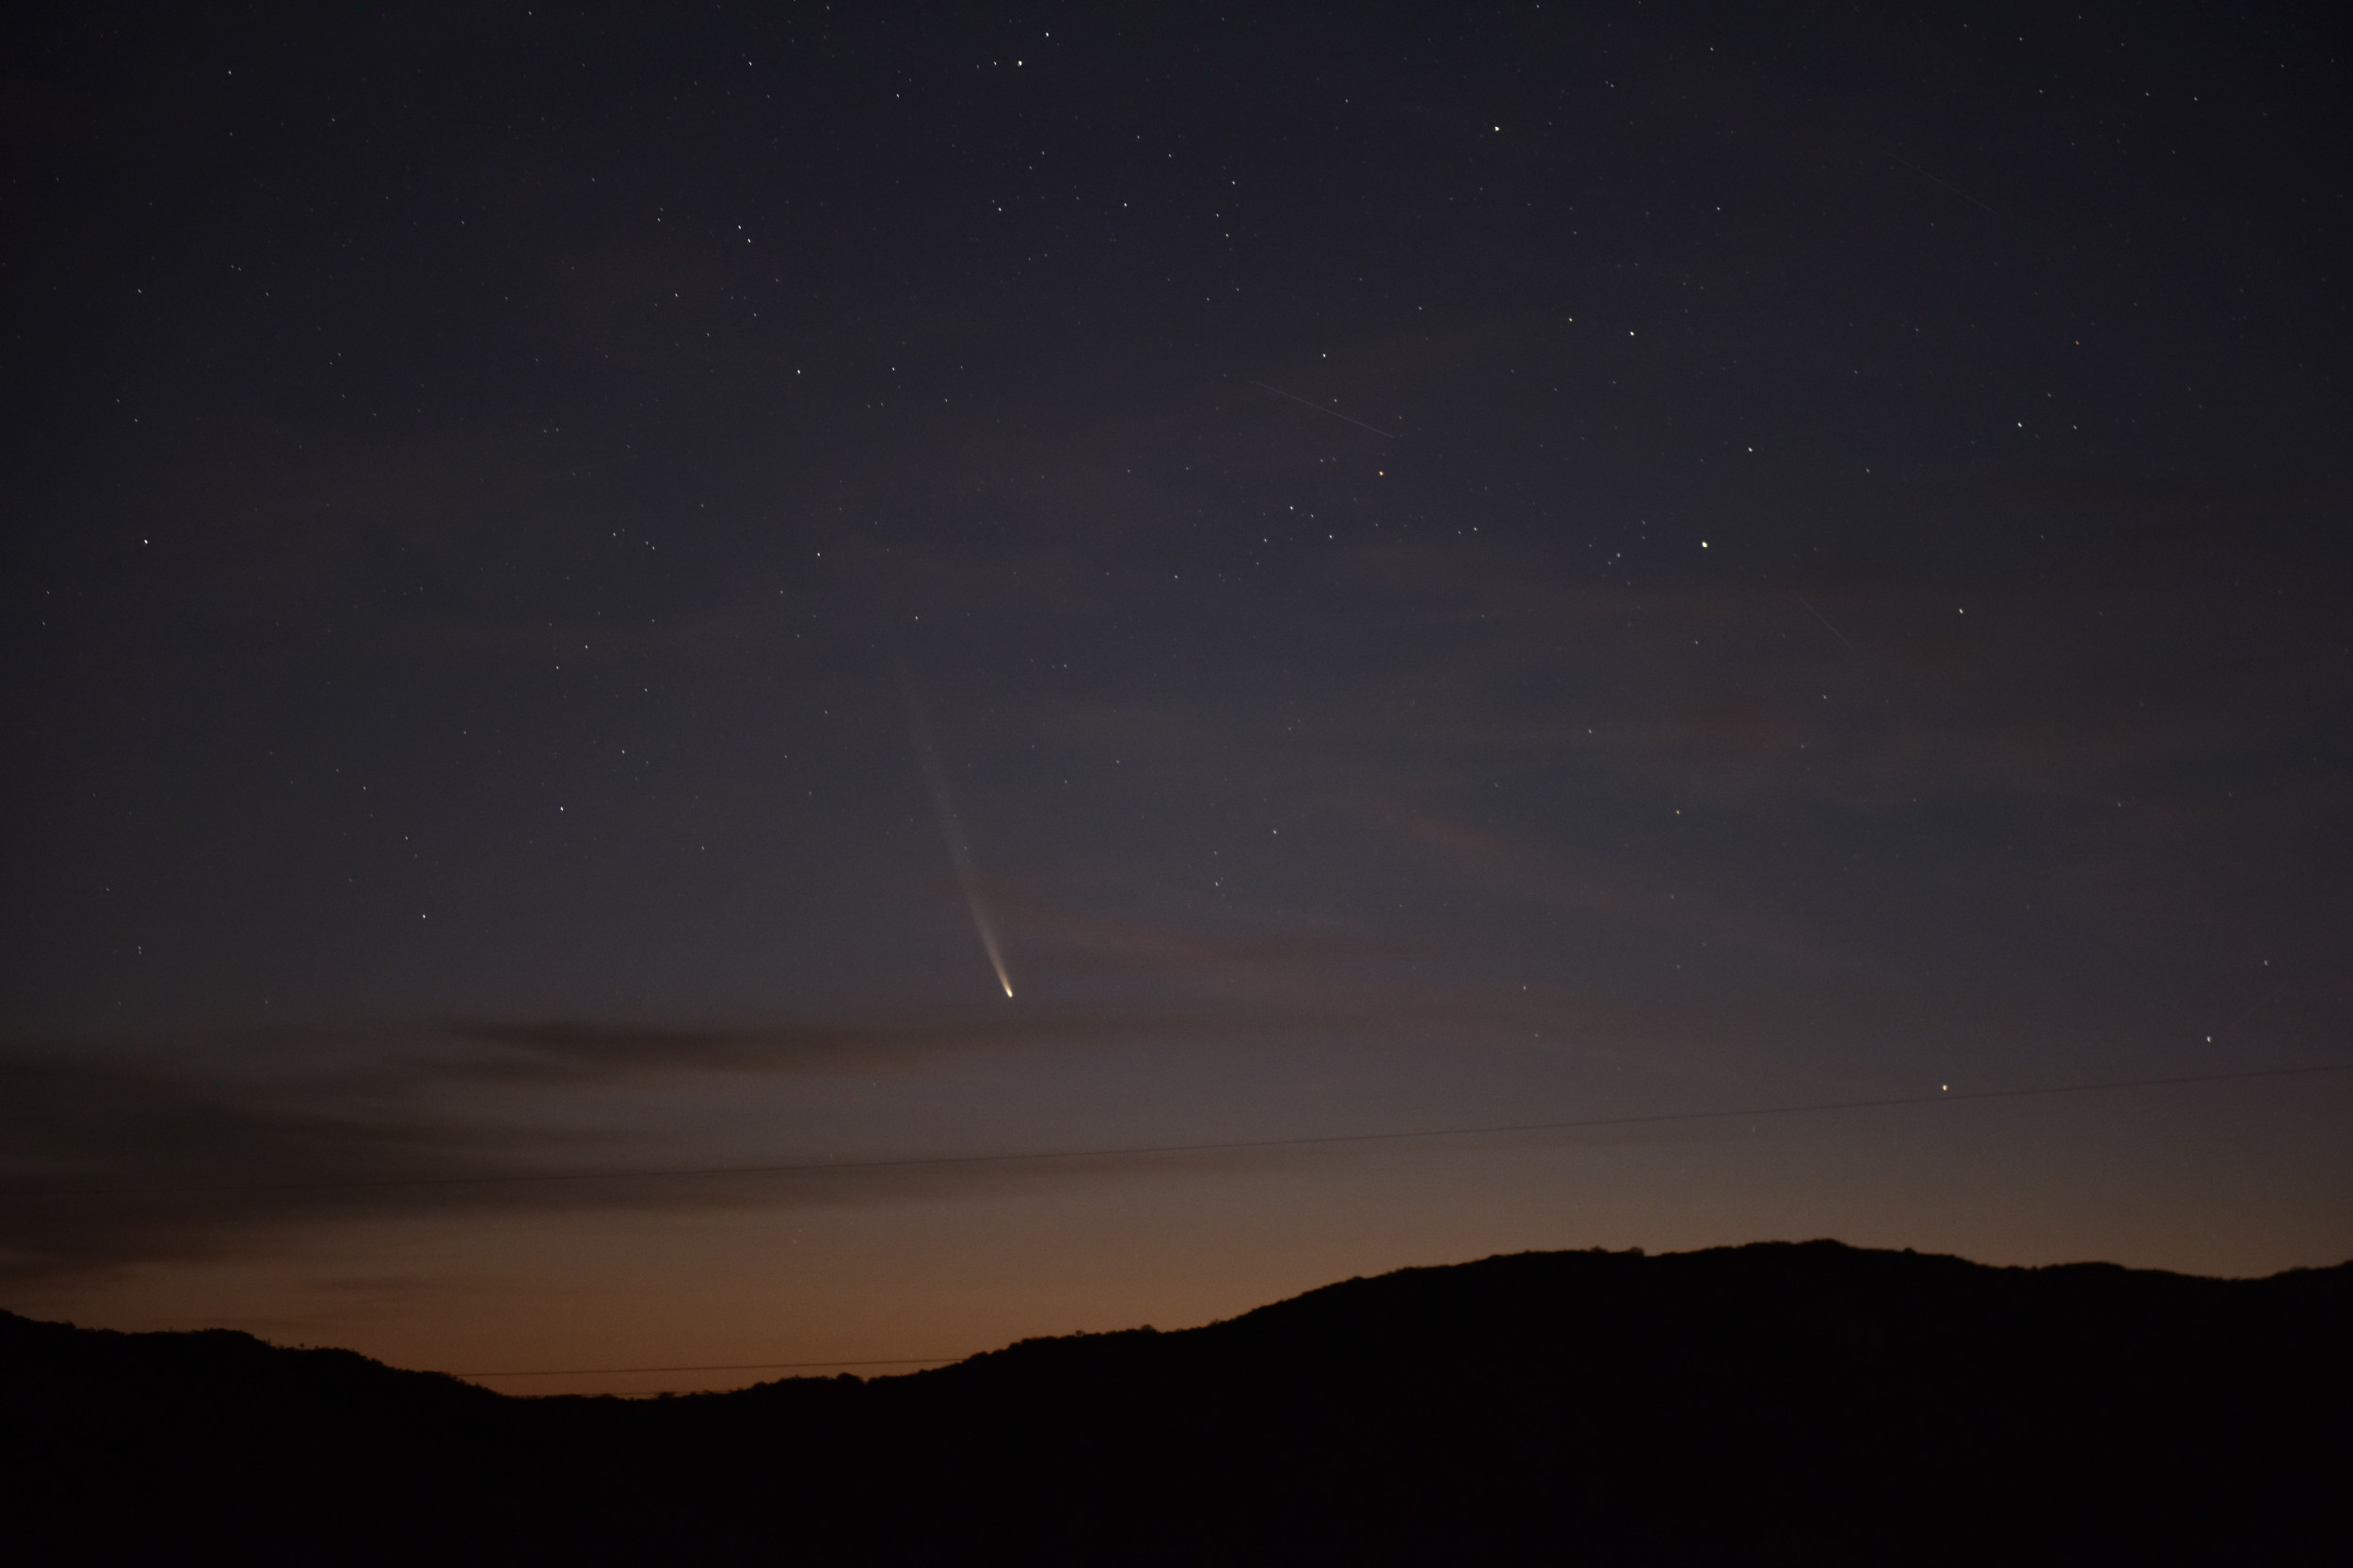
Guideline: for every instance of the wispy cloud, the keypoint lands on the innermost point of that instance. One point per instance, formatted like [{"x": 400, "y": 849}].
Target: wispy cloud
[
  {"x": 140, "y": 1151},
  {"x": 154, "y": 1149},
  {"x": 2030, "y": 690},
  {"x": 1532, "y": 869}
]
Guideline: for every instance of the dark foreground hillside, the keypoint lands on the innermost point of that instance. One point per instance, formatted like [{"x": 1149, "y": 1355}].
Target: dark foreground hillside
[{"x": 1774, "y": 1403}]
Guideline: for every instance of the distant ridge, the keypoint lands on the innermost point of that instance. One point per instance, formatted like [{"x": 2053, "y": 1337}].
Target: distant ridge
[{"x": 1774, "y": 1403}]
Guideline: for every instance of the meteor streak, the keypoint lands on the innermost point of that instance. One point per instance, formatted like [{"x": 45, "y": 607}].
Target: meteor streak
[
  {"x": 1384, "y": 434},
  {"x": 952, "y": 831},
  {"x": 1823, "y": 619}
]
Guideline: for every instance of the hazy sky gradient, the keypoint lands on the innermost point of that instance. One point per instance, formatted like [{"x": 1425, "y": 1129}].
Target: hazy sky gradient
[{"x": 1844, "y": 593}]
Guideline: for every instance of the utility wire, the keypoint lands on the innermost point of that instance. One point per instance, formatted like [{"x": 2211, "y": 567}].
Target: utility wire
[
  {"x": 740, "y": 1367},
  {"x": 1227, "y": 1147}
]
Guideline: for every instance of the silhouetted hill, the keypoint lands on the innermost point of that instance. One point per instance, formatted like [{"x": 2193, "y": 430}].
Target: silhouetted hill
[{"x": 1767, "y": 1404}]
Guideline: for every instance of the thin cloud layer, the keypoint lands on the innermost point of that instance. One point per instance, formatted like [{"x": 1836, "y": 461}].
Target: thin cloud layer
[
  {"x": 158, "y": 1150},
  {"x": 163, "y": 1149}
]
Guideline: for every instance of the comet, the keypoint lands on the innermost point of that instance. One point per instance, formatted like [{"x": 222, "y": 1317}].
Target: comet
[{"x": 952, "y": 833}]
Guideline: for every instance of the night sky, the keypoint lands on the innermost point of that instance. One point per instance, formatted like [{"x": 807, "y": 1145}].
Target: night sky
[{"x": 1416, "y": 570}]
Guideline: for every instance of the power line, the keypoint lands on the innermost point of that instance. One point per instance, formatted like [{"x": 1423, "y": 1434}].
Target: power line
[
  {"x": 1148, "y": 1150},
  {"x": 742, "y": 1367}
]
